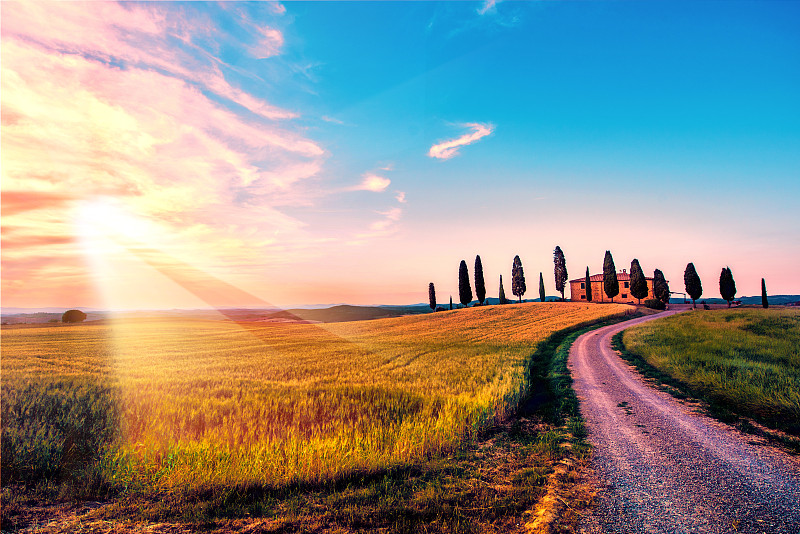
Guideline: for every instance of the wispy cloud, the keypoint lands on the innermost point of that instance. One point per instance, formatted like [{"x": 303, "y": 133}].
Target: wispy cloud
[
  {"x": 488, "y": 6},
  {"x": 122, "y": 102},
  {"x": 448, "y": 149},
  {"x": 383, "y": 227},
  {"x": 400, "y": 197},
  {"x": 372, "y": 182},
  {"x": 332, "y": 120}
]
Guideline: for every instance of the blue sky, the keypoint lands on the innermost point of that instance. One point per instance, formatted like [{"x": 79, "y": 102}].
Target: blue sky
[{"x": 368, "y": 147}]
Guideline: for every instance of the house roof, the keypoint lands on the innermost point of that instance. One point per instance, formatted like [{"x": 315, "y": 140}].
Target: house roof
[{"x": 621, "y": 276}]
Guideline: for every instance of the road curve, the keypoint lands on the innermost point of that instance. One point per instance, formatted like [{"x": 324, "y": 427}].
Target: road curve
[{"x": 664, "y": 468}]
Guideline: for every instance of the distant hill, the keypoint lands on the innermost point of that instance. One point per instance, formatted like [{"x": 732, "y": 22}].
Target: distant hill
[
  {"x": 344, "y": 312},
  {"x": 777, "y": 300}
]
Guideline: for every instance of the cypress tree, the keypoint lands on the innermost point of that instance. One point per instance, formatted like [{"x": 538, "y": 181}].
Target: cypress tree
[
  {"x": 727, "y": 286},
  {"x": 480, "y": 286},
  {"x": 588, "y": 285},
  {"x": 638, "y": 281},
  {"x": 503, "y": 299},
  {"x": 517, "y": 279},
  {"x": 542, "y": 296},
  {"x": 451, "y": 302},
  {"x": 560, "y": 270},
  {"x": 464, "y": 289},
  {"x": 660, "y": 286},
  {"x": 692, "y": 283},
  {"x": 431, "y": 296},
  {"x": 764, "y": 301},
  {"x": 610, "y": 282}
]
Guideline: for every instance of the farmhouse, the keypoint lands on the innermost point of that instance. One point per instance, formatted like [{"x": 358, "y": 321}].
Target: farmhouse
[{"x": 577, "y": 288}]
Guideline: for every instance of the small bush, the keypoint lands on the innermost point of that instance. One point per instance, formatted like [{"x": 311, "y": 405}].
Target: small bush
[
  {"x": 73, "y": 316},
  {"x": 655, "y": 304}
]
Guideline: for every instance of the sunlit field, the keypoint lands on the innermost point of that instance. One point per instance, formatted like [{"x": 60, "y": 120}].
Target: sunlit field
[
  {"x": 746, "y": 361},
  {"x": 185, "y": 405}
]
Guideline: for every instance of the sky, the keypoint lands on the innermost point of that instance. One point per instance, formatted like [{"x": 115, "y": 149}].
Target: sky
[{"x": 184, "y": 155}]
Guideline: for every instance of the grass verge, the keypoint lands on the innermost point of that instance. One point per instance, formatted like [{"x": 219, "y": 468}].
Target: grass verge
[{"x": 741, "y": 365}]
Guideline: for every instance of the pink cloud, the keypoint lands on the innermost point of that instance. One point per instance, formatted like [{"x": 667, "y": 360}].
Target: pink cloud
[
  {"x": 271, "y": 43},
  {"x": 373, "y": 182},
  {"x": 448, "y": 149},
  {"x": 134, "y": 34},
  {"x": 488, "y": 6},
  {"x": 77, "y": 125}
]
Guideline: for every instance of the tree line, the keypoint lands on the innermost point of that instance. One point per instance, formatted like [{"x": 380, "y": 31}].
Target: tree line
[{"x": 638, "y": 283}]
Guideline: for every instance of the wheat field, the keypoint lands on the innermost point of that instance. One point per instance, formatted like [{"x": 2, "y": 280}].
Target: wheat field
[{"x": 174, "y": 405}]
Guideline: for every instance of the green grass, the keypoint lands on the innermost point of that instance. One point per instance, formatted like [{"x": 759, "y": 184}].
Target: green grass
[{"x": 742, "y": 362}]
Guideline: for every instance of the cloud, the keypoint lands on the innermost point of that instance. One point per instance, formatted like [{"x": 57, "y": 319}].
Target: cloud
[
  {"x": 122, "y": 104},
  {"x": 448, "y": 149},
  {"x": 372, "y": 182},
  {"x": 380, "y": 228},
  {"x": 488, "y": 6},
  {"x": 277, "y": 8},
  {"x": 400, "y": 197}
]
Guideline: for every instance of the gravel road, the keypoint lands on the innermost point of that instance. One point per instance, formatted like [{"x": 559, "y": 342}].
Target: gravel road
[{"x": 664, "y": 468}]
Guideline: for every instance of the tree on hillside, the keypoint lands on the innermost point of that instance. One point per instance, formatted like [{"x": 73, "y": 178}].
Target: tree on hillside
[
  {"x": 517, "y": 279},
  {"x": 638, "y": 281},
  {"x": 503, "y": 299},
  {"x": 464, "y": 289},
  {"x": 451, "y": 302},
  {"x": 560, "y": 270},
  {"x": 727, "y": 286},
  {"x": 480, "y": 286},
  {"x": 764, "y": 301},
  {"x": 660, "y": 286},
  {"x": 610, "y": 282},
  {"x": 692, "y": 282},
  {"x": 73, "y": 316},
  {"x": 588, "y": 286},
  {"x": 431, "y": 296},
  {"x": 542, "y": 296}
]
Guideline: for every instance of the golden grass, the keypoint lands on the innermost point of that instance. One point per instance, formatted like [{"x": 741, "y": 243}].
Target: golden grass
[{"x": 213, "y": 403}]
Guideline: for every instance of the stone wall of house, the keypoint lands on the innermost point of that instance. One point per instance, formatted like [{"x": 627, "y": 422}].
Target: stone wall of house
[{"x": 578, "y": 291}]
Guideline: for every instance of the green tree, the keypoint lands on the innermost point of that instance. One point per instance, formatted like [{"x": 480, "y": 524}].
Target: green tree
[
  {"x": 560, "y": 270},
  {"x": 692, "y": 282},
  {"x": 542, "y": 296},
  {"x": 660, "y": 286},
  {"x": 503, "y": 299},
  {"x": 610, "y": 282},
  {"x": 451, "y": 302},
  {"x": 638, "y": 281},
  {"x": 480, "y": 286},
  {"x": 73, "y": 316},
  {"x": 464, "y": 289},
  {"x": 588, "y": 286},
  {"x": 431, "y": 296},
  {"x": 727, "y": 286},
  {"x": 517, "y": 279},
  {"x": 764, "y": 301}
]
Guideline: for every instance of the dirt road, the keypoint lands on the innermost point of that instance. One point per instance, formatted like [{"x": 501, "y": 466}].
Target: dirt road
[{"x": 663, "y": 468}]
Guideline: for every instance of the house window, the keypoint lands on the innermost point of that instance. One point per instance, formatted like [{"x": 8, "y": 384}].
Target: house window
[
  {"x": 583, "y": 285},
  {"x": 624, "y": 295},
  {"x": 583, "y": 297},
  {"x": 626, "y": 285}
]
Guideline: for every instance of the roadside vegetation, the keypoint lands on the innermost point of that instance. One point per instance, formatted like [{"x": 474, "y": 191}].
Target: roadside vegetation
[
  {"x": 373, "y": 421},
  {"x": 742, "y": 362}
]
